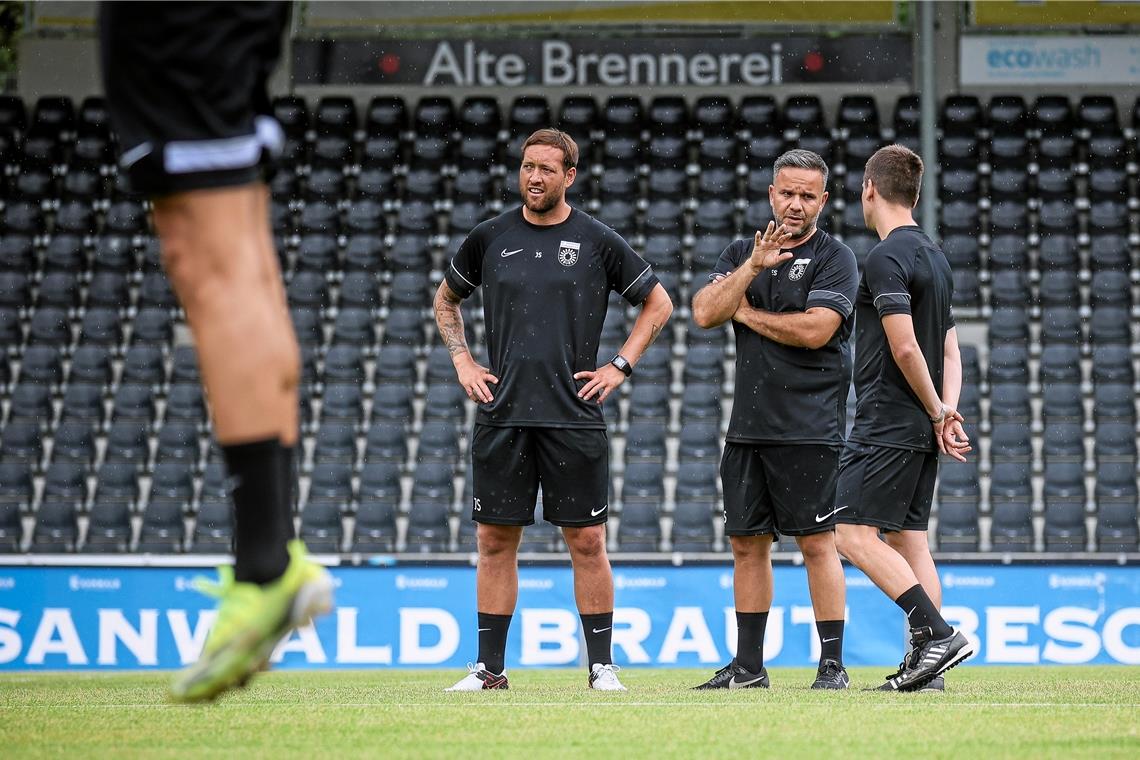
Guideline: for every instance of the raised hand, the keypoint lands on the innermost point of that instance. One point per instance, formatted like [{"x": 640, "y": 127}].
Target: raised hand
[{"x": 766, "y": 251}]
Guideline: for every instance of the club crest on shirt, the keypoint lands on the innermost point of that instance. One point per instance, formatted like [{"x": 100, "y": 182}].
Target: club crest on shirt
[
  {"x": 799, "y": 266},
  {"x": 568, "y": 253}
]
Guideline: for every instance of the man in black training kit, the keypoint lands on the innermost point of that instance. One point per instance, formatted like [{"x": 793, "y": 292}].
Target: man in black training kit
[
  {"x": 186, "y": 87},
  {"x": 906, "y": 349},
  {"x": 789, "y": 294},
  {"x": 547, "y": 270}
]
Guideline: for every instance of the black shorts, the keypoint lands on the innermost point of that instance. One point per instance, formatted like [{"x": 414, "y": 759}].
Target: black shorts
[
  {"x": 889, "y": 488},
  {"x": 186, "y": 88},
  {"x": 510, "y": 464},
  {"x": 778, "y": 489}
]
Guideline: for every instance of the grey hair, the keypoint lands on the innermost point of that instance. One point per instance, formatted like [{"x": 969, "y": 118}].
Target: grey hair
[{"x": 798, "y": 158}]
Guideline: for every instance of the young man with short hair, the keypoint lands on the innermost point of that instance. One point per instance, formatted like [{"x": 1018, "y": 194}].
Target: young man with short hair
[{"x": 908, "y": 376}]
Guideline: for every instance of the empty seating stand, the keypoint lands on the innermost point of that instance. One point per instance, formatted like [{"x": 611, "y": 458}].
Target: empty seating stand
[{"x": 105, "y": 441}]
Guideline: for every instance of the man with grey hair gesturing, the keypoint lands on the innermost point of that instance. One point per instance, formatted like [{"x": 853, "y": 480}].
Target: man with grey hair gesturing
[{"x": 789, "y": 293}]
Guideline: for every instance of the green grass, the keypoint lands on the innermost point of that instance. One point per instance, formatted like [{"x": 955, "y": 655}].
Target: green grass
[{"x": 986, "y": 712}]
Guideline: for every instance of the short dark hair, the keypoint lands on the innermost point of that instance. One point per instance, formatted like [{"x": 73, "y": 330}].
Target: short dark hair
[
  {"x": 798, "y": 158},
  {"x": 556, "y": 139},
  {"x": 896, "y": 172}
]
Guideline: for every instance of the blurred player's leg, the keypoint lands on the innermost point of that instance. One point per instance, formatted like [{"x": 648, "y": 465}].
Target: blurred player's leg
[{"x": 186, "y": 87}]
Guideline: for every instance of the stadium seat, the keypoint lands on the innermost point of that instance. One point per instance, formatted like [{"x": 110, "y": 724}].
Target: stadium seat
[
  {"x": 11, "y": 529},
  {"x": 640, "y": 527},
  {"x": 1061, "y": 325},
  {"x": 438, "y": 442},
  {"x": 31, "y": 402},
  {"x": 698, "y": 442},
  {"x": 428, "y": 527},
  {"x": 163, "y": 530},
  {"x": 1060, "y": 363},
  {"x": 108, "y": 527},
  {"x": 692, "y": 529},
  {"x": 127, "y": 443},
  {"x": 56, "y": 528},
  {"x": 445, "y": 401},
  {"x": 22, "y": 441},
  {"x": 74, "y": 441},
  {"x": 1009, "y": 362}
]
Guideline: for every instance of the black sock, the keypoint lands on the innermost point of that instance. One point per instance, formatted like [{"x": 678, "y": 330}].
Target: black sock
[
  {"x": 261, "y": 472},
  {"x": 493, "y": 640},
  {"x": 598, "y": 630},
  {"x": 920, "y": 611},
  {"x": 750, "y": 640},
  {"x": 830, "y": 640}
]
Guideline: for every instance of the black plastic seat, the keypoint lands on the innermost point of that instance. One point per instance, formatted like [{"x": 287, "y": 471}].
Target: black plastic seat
[
  {"x": 331, "y": 483},
  {"x": 1060, "y": 363},
  {"x": 645, "y": 441},
  {"x": 640, "y": 528},
  {"x": 74, "y": 441},
  {"x": 66, "y": 481},
  {"x": 108, "y": 527},
  {"x": 31, "y": 402},
  {"x": 163, "y": 529},
  {"x": 392, "y": 402},
  {"x": 335, "y": 443},
  {"x": 386, "y": 441},
  {"x": 696, "y": 481},
  {"x": 213, "y": 527},
  {"x": 649, "y": 403},
  {"x": 90, "y": 364},
  {"x": 56, "y": 528},
  {"x": 438, "y": 442},
  {"x": 50, "y": 326},
  {"x": 127, "y": 443},
  {"x": 698, "y": 442}
]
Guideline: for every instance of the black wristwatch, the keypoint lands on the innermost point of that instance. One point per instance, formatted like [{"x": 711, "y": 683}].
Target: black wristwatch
[{"x": 623, "y": 364}]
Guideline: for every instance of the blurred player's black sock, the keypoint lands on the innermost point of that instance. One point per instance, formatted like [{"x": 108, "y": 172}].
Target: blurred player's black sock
[
  {"x": 750, "y": 640},
  {"x": 920, "y": 611},
  {"x": 493, "y": 640},
  {"x": 598, "y": 630},
  {"x": 262, "y": 476},
  {"x": 830, "y": 640}
]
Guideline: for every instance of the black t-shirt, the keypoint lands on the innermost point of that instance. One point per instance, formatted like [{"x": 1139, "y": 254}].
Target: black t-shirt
[
  {"x": 906, "y": 273},
  {"x": 545, "y": 294},
  {"x": 785, "y": 394}
]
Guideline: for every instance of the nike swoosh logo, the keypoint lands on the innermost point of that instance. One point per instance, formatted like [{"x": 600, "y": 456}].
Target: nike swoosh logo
[
  {"x": 734, "y": 684},
  {"x": 507, "y": 253},
  {"x": 911, "y": 610},
  {"x": 483, "y": 629},
  {"x": 600, "y": 630},
  {"x": 827, "y": 641},
  {"x": 821, "y": 518},
  {"x": 596, "y": 512}
]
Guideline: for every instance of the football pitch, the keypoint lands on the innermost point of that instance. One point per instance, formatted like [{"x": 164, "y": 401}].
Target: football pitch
[{"x": 986, "y": 712}]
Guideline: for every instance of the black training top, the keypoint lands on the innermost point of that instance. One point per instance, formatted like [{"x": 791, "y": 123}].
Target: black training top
[
  {"x": 785, "y": 394},
  {"x": 545, "y": 294},
  {"x": 904, "y": 274}
]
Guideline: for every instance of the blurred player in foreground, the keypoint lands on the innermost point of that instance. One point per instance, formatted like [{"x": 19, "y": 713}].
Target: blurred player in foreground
[{"x": 186, "y": 86}]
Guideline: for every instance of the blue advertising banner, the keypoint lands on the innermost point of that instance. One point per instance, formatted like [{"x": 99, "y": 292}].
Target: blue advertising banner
[{"x": 136, "y": 618}]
